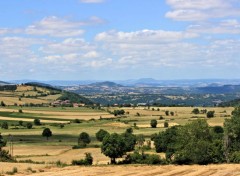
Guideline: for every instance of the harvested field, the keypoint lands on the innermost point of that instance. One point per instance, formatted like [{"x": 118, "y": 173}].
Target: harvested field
[
  {"x": 66, "y": 155},
  {"x": 139, "y": 170}
]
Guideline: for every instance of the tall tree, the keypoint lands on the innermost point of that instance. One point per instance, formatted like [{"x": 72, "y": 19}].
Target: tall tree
[
  {"x": 47, "y": 133},
  {"x": 113, "y": 146}
]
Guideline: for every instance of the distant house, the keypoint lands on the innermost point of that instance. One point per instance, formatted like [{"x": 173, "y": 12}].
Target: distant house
[{"x": 76, "y": 105}]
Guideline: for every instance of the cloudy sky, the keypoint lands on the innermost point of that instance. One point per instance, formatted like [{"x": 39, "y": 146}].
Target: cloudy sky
[{"x": 119, "y": 39}]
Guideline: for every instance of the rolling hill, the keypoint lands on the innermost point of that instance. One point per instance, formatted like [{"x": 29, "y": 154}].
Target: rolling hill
[{"x": 37, "y": 94}]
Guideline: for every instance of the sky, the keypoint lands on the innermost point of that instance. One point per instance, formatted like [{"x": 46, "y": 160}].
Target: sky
[{"x": 119, "y": 39}]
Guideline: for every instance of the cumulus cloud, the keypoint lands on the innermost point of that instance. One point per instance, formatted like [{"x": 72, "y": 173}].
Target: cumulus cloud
[
  {"x": 60, "y": 27},
  {"x": 141, "y": 37},
  {"x": 229, "y": 26},
  {"x": 198, "y": 10}
]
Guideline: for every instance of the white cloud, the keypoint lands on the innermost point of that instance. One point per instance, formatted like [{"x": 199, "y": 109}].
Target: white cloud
[
  {"x": 198, "y": 4},
  {"x": 144, "y": 36},
  {"x": 68, "y": 45},
  {"x": 199, "y": 10},
  {"x": 230, "y": 26},
  {"x": 91, "y": 54},
  {"x": 60, "y": 27},
  {"x": 92, "y": 1}
]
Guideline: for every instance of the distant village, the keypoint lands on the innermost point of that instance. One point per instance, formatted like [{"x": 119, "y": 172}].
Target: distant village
[{"x": 66, "y": 103}]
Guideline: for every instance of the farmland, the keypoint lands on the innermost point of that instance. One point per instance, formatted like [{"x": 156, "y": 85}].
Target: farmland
[
  {"x": 30, "y": 145},
  {"x": 38, "y": 156}
]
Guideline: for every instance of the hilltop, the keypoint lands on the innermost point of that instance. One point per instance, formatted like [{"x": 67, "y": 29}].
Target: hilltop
[{"x": 37, "y": 94}]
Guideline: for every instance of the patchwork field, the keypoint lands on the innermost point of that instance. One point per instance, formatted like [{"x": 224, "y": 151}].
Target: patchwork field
[{"x": 30, "y": 145}]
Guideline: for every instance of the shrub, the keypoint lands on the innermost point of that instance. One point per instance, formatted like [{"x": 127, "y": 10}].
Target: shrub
[
  {"x": 235, "y": 157},
  {"x": 29, "y": 125},
  {"x": 136, "y": 158},
  {"x": 153, "y": 123},
  {"x": 77, "y": 121},
  {"x": 4, "y": 125},
  {"x": 36, "y": 122},
  {"x": 20, "y": 111},
  {"x": 5, "y": 156},
  {"x": 210, "y": 114},
  {"x": 161, "y": 117},
  {"x": 165, "y": 124},
  {"x": 87, "y": 161},
  {"x": 195, "y": 111},
  {"x": 218, "y": 129},
  {"x": 167, "y": 113}
]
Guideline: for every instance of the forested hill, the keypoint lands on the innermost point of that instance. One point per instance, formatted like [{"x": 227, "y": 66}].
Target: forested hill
[
  {"x": 7, "y": 86},
  {"x": 235, "y": 102},
  {"x": 72, "y": 97}
]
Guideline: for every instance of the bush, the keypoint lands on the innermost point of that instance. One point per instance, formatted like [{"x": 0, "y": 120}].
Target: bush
[
  {"x": 161, "y": 117},
  {"x": 4, "y": 125},
  {"x": 77, "y": 121},
  {"x": 136, "y": 158},
  {"x": 5, "y": 156},
  {"x": 153, "y": 123},
  {"x": 195, "y": 111},
  {"x": 235, "y": 157},
  {"x": 210, "y": 114},
  {"x": 29, "y": 125},
  {"x": 167, "y": 113},
  {"x": 87, "y": 161},
  {"x": 165, "y": 124},
  {"x": 20, "y": 111},
  {"x": 37, "y": 122},
  {"x": 218, "y": 129}
]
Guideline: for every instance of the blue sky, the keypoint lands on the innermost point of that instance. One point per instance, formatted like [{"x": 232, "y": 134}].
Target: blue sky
[{"x": 119, "y": 39}]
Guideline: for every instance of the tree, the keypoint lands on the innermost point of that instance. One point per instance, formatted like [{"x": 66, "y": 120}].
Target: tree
[
  {"x": 37, "y": 122},
  {"x": 165, "y": 124},
  {"x": 4, "y": 125},
  {"x": 130, "y": 140},
  {"x": 167, "y": 113},
  {"x": 210, "y": 114},
  {"x": 20, "y": 123},
  {"x": 2, "y": 103},
  {"x": 113, "y": 146},
  {"x": 153, "y": 123},
  {"x": 29, "y": 125},
  {"x": 118, "y": 112},
  {"x": 101, "y": 134},
  {"x": 47, "y": 133},
  {"x": 165, "y": 142},
  {"x": 84, "y": 139},
  {"x": 195, "y": 111},
  {"x": 232, "y": 134},
  {"x": 195, "y": 144}
]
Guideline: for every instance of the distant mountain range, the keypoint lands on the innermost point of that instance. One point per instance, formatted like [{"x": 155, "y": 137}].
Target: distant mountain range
[
  {"x": 2, "y": 83},
  {"x": 143, "y": 82}
]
